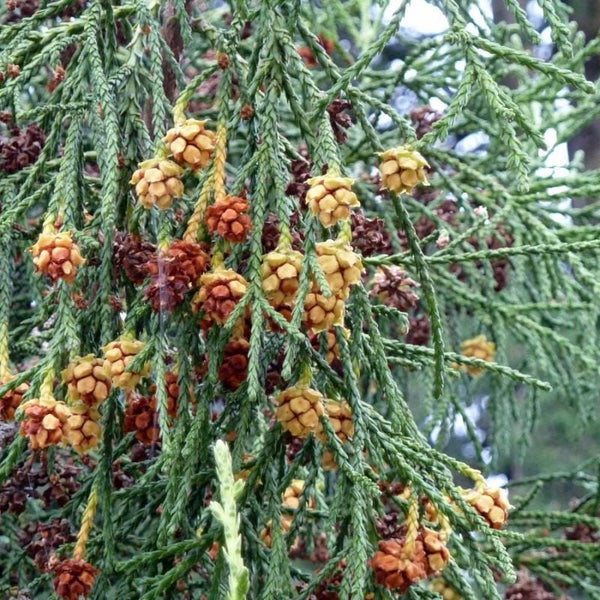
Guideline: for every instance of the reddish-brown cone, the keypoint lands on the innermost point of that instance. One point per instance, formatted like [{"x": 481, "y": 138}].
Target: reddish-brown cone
[
  {"x": 397, "y": 569},
  {"x": 131, "y": 255},
  {"x": 11, "y": 400},
  {"x": 141, "y": 416},
  {"x": 74, "y": 579},
  {"x": 229, "y": 218},
  {"x": 234, "y": 368},
  {"x": 394, "y": 287},
  {"x": 219, "y": 294}
]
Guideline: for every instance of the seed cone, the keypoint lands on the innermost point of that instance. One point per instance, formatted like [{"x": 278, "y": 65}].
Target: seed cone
[
  {"x": 118, "y": 356},
  {"x": 174, "y": 273},
  {"x": 57, "y": 256},
  {"x": 88, "y": 379},
  {"x": 331, "y": 198},
  {"x": 397, "y": 569},
  {"x": 341, "y": 266},
  {"x": 74, "y": 579},
  {"x": 402, "y": 169},
  {"x": 191, "y": 144},
  {"x": 141, "y": 416},
  {"x": 340, "y": 416},
  {"x": 445, "y": 590},
  {"x": 477, "y": 347},
  {"x": 491, "y": 504},
  {"x": 369, "y": 236},
  {"x": 291, "y": 499},
  {"x": 394, "y": 287},
  {"x": 527, "y": 588},
  {"x": 83, "y": 431},
  {"x": 299, "y": 410},
  {"x": 131, "y": 254},
  {"x": 280, "y": 277},
  {"x": 219, "y": 294},
  {"x": 228, "y": 218},
  {"x": 234, "y": 368},
  {"x": 333, "y": 348},
  {"x": 419, "y": 331},
  {"x": 45, "y": 422},
  {"x": 157, "y": 182},
  {"x": 11, "y": 400},
  {"x": 321, "y": 313},
  {"x": 24, "y": 147}
]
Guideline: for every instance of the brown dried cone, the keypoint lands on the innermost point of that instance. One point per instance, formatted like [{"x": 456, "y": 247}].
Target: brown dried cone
[
  {"x": 397, "y": 569},
  {"x": 168, "y": 287},
  {"x": 11, "y": 400},
  {"x": 271, "y": 233},
  {"x": 83, "y": 431},
  {"x": 172, "y": 385},
  {"x": 219, "y": 294},
  {"x": 131, "y": 254},
  {"x": 157, "y": 182},
  {"x": 419, "y": 331},
  {"x": 234, "y": 368},
  {"x": 22, "y": 149},
  {"x": 45, "y": 422},
  {"x": 402, "y": 169},
  {"x": 330, "y": 197},
  {"x": 340, "y": 120},
  {"x": 41, "y": 540},
  {"x": 393, "y": 286},
  {"x": 424, "y": 118},
  {"x": 191, "y": 144},
  {"x": 229, "y": 218},
  {"x": 477, "y": 347},
  {"x": 88, "y": 379},
  {"x": 119, "y": 355},
  {"x": 174, "y": 273},
  {"x": 370, "y": 236},
  {"x": 141, "y": 416},
  {"x": 340, "y": 416},
  {"x": 491, "y": 504},
  {"x": 57, "y": 256},
  {"x": 299, "y": 410},
  {"x": 527, "y": 588},
  {"x": 582, "y": 533},
  {"x": 444, "y": 589},
  {"x": 74, "y": 578},
  {"x": 281, "y": 276},
  {"x": 341, "y": 266}
]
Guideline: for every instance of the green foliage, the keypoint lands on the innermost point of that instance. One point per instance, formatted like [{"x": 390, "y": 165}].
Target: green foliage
[{"x": 132, "y": 68}]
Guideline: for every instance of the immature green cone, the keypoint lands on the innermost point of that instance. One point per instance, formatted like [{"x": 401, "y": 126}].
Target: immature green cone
[
  {"x": 402, "y": 169},
  {"x": 191, "y": 144},
  {"x": 157, "y": 182},
  {"x": 330, "y": 197}
]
